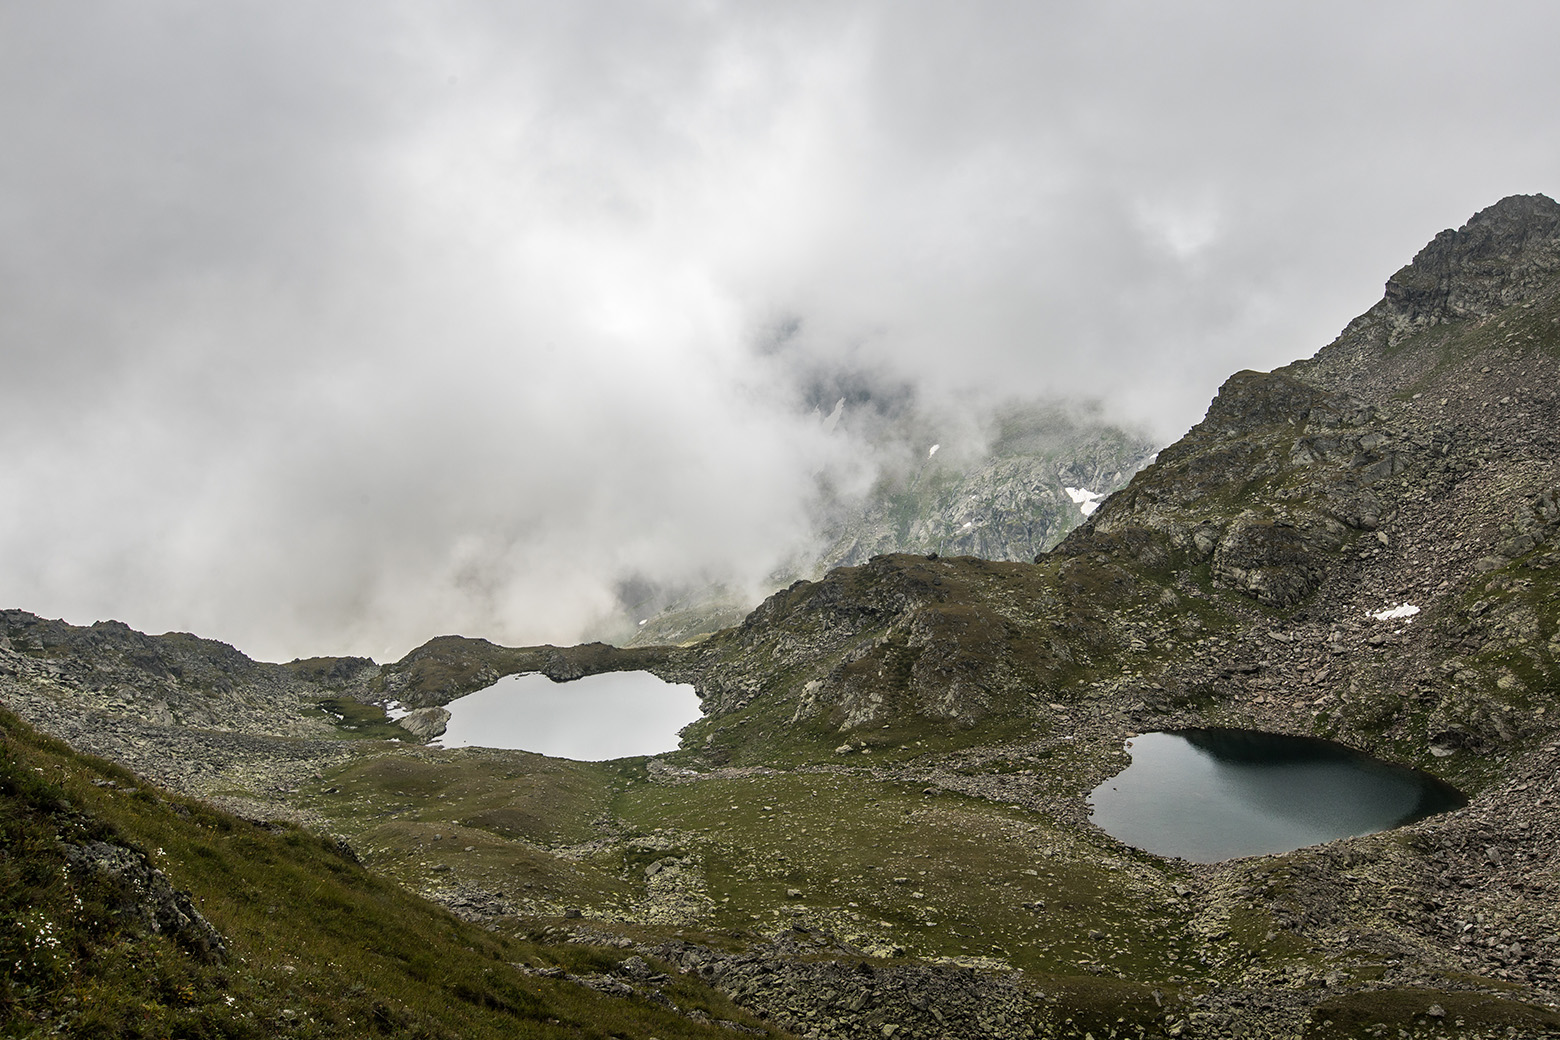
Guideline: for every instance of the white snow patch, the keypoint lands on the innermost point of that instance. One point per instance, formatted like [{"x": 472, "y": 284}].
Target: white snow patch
[
  {"x": 1402, "y": 610},
  {"x": 1088, "y": 501},
  {"x": 833, "y": 419},
  {"x": 644, "y": 621},
  {"x": 395, "y": 712},
  {"x": 933, "y": 451}
]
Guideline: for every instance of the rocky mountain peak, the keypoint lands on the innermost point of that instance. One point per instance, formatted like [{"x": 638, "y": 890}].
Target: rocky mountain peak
[{"x": 1501, "y": 256}]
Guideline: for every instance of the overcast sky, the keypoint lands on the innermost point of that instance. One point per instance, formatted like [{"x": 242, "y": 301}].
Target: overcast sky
[{"x": 328, "y": 328}]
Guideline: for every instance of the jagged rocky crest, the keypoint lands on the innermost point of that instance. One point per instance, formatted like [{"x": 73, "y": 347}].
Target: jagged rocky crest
[{"x": 1505, "y": 255}]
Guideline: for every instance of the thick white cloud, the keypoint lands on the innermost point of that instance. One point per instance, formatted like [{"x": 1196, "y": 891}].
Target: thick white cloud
[{"x": 328, "y": 329}]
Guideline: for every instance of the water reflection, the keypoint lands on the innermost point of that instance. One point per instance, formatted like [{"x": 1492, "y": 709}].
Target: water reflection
[
  {"x": 613, "y": 715},
  {"x": 1212, "y": 794}
]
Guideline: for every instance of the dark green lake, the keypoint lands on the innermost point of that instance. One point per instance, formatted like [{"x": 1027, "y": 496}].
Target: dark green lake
[{"x": 1212, "y": 794}]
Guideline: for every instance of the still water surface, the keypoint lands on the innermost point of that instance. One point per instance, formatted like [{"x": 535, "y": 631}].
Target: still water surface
[
  {"x": 1213, "y": 794},
  {"x": 613, "y": 715}
]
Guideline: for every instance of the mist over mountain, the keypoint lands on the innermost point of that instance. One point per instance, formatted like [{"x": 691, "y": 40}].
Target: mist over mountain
[
  {"x": 1004, "y": 480},
  {"x": 334, "y": 330}
]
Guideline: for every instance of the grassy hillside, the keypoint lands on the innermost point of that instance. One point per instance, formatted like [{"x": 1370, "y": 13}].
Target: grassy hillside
[{"x": 311, "y": 944}]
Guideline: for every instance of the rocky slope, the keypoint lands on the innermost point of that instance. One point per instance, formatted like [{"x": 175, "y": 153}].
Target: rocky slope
[{"x": 879, "y": 827}]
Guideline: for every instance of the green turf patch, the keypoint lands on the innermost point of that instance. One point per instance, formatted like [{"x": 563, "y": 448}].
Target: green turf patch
[
  {"x": 363, "y": 721},
  {"x": 882, "y": 864},
  {"x": 1428, "y": 1013}
]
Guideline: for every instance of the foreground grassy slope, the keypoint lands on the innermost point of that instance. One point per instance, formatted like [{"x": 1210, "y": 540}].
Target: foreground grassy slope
[{"x": 314, "y": 945}]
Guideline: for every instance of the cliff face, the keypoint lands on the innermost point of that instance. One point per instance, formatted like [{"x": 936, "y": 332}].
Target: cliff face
[{"x": 1507, "y": 255}]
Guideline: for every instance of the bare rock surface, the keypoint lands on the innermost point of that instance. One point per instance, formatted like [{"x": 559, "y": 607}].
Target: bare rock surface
[{"x": 147, "y": 901}]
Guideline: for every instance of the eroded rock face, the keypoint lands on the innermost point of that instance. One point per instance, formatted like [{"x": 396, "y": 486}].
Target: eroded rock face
[
  {"x": 1007, "y": 505},
  {"x": 1503, "y": 256},
  {"x": 426, "y": 723},
  {"x": 1276, "y": 558}
]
